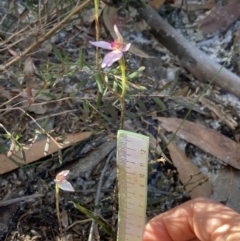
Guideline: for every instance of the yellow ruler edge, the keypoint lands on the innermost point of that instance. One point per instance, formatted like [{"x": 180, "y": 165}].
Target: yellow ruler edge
[{"x": 132, "y": 167}]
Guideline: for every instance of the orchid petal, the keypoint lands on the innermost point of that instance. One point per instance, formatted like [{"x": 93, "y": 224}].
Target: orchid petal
[
  {"x": 101, "y": 44},
  {"x": 119, "y": 36},
  {"x": 111, "y": 57},
  {"x": 126, "y": 48},
  {"x": 61, "y": 176},
  {"x": 63, "y": 173},
  {"x": 66, "y": 186}
]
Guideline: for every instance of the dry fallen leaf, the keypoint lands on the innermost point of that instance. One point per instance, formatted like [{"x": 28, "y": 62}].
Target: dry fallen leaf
[
  {"x": 90, "y": 161},
  {"x": 64, "y": 218},
  {"x": 225, "y": 185},
  {"x": 37, "y": 109},
  {"x": 195, "y": 182},
  {"x": 156, "y": 3},
  {"x": 207, "y": 139},
  {"x": 220, "y": 18},
  {"x": 4, "y": 93},
  {"x": 12, "y": 52},
  {"x": 36, "y": 151}
]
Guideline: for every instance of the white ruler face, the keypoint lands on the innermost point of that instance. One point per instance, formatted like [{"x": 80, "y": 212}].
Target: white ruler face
[{"x": 132, "y": 165}]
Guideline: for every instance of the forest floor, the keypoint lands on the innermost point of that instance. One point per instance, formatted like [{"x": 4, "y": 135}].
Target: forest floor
[{"x": 59, "y": 111}]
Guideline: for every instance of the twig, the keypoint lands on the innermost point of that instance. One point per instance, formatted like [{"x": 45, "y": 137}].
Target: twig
[
  {"x": 46, "y": 36},
  {"x": 96, "y": 210},
  {"x": 14, "y": 200},
  {"x": 45, "y": 132},
  {"x": 78, "y": 222},
  {"x": 58, "y": 100},
  {"x": 7, "y": 102}
]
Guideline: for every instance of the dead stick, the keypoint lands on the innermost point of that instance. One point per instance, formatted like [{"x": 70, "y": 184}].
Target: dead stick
[
  {"x": 199, "y": 64},
  {"x": 18, "y": 199},
  {"x": 46, "y": 36}
]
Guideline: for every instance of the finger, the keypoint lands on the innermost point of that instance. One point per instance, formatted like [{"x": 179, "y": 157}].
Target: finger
[{"x": 201, "y": 219}]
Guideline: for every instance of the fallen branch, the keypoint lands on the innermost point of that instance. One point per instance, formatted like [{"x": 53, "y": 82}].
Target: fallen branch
[{"x": 199, "y": 64}]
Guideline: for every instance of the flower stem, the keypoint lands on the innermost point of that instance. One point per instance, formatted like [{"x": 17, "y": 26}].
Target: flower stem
[
  {"x": 58, "y": 211},
  {"x": 122, "y": 96},
  {"x": 96, "y": 13}
]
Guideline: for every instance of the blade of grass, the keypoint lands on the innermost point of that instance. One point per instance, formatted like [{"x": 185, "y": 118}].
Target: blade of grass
[{"x": 100, "y": 221}]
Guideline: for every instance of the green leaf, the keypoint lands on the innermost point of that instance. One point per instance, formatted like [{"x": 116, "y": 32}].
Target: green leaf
[
  {"x": 181, "y": 92},
  {"x": 137, "y": 73},
  {"x": 73, "y": 95},
  {"x": 141, "y": 105},
  {"x": 159, "y": 103},
  {"x": 16, "y": 147},
  {"x": 100, "y": 221},
  {"x": 18, "y": 136},
  {"x": 44, "y": 123},
  {"x": 51, "y": 96},
  {"x": 57, "y": 53},
  {"x": 105, "y": 117},
  {"x": 131, "y": 115},
  {"x": 85, "y": 110},
  {"x": 99, "y": 82},
  {"x": 82, "y": 83},
  {"x": 16, "y": 83},
  {"x": 167, "y": 85}
]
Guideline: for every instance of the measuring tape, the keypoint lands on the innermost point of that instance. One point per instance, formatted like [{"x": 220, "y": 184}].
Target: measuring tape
[{"x": 132, "y": 165}]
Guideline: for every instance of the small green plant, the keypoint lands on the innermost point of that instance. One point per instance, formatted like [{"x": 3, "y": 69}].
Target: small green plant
[
  {"x": 118, "y": 47},
  {"x": 62, "y": 183}
]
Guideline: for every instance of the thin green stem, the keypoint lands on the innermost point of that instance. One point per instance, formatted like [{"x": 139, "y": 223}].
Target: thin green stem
[
  {"x": 124, "y": 88},
  {"x": 96, "y": 7},
  {"x": 58, "y": 211},
  {"x": 96, "y": 11}
]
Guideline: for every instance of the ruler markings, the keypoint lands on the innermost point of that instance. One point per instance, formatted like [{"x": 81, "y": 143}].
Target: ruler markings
[{"x": 132, "y": 156}]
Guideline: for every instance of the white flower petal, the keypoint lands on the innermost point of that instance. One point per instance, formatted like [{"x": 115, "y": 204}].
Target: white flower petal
[
  {"x": 119, "y": 36},
  {"x": 61, "y": 176},
  {"x": 111, "y": 57},
  {"x": 126, "y": 48},
  {"x": 64, "y": 173},
  {"x": 101, "y": 44},
  {"x": 66, "y": 186}
]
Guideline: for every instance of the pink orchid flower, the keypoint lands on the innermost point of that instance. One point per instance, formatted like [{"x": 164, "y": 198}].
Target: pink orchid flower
[
  {"x": 62, "y": 182},
  {"x": 117, "y": 47}
]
